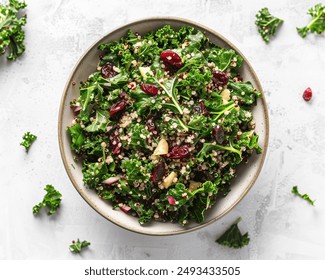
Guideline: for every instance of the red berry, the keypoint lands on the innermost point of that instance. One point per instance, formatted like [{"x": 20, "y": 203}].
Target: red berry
[
  {"x": 107, "y": 71},
  {"x": 117, "y": 107},
  {"x": 308, "y": 94},
  {"x": 149, "y": 89},
  {"x": 220, "y": 78},
  {"x": 171, "y": 58},
  {"x": 218, "y": 134},
  {"x": 158, "y": 173},
  {"x": 178, "y": 152}
]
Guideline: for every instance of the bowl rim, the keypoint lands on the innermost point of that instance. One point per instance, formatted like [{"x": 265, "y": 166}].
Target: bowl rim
[{"x": 254, "y": 77}]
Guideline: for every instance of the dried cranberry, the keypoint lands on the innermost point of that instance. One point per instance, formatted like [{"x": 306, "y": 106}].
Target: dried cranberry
[
  {"x": 107, "y": 71},
  {"x": 149, "y": 89},
  {"x": 218, "y": 134},
  {"x": 158, "y": 173},
  {"x": 117, "y": 107},
  {"x": 171, "y": 58},
  {"x": 116, "y": 144},
  {"x": 220, "y": 78},
  {"x": 308, "y": 94},
  {"x": 178, "y": 152}
]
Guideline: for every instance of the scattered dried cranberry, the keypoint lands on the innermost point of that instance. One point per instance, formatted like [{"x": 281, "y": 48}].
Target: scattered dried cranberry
[
  {"x": 178, "y": 152},
  {"x": 171, "y": 58},
  {"x": 117, "y": 107},
  {"x": 107, "y": 71},
  {"x": 220, "y": 78},
  {"x": 149, "y": 89},
  {"x": 308, "y": 94},
  {"x": 116, "y": 144},
  {"x": 158, "y": 173},
  {"x": 218, "y": 134}
]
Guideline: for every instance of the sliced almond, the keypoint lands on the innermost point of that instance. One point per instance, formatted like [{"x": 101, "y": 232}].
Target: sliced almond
[
  {"x": 169, "y": 180},
  {"x": 162, "y": 148},
  {"x": 193, "y": 186},
  {"x": 144, "y": 71},
  {"x": 225, "y": 94}
]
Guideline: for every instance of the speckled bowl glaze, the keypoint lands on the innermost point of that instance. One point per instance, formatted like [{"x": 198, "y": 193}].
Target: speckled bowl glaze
[{"x": 247, "y": 174}]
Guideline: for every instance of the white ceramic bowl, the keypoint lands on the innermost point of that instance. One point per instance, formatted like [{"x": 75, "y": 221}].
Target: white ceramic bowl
[{"x": 247, "y": 173}]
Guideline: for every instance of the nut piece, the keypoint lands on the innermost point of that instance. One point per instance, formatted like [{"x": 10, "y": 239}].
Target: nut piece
[
  {"x": 169, "y": 180},
  {"x": 162, "y": 148},
  {"x": 144, "y": 71},
  {"x": 225, "y": 95},
  {"x": 193, "y": 186}
]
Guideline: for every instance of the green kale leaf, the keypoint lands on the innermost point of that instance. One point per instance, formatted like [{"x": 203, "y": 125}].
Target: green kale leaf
[
  {"x": 244, "y": 92},
  {"x": 51, "y": 201},
  {"x": 224, "y": 58},
  {"x": 303, "y": 196},
  {"x": 77, "y": 138},
  {"x": 94, "y": 173},
  {"x": 267, "y": 24},
  {"x": 233, "y": 238},
  {"x": 317, "y": 25},
  {"x": 28, "y": 140},
  {"x": 78, "y": 246},
  {"x": 11, "y": 34}
]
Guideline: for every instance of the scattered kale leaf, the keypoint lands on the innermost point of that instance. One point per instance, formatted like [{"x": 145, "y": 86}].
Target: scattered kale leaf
[
  {"x": 233, "y": 238},
  {"x": 28, "y": 140},
  {"x": 78, "y": 246},
  {"x": 317, "y": 25},
  {"x": 11, "y": 34},
  {"x": 51, "y": 201},
  {"x": 267, "y": 24},
  {"x": 303, "y": 196}
]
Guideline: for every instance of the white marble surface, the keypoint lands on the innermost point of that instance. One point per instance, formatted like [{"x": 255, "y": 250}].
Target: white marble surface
[{"x": 281, "y": 226}]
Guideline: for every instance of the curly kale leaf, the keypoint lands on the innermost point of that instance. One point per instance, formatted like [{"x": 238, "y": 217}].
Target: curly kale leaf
[
  {"x": 233, "y": 238},
  {"x": 267, "y": 24},
  {"x": 245, "y": 93},
  {"x": 137, "y": 170},
  {"x": 11, "y": 34},
  {"x": 51, "y": 201},
  {"x": 188, "y": 203},
  {"x": 303, "y": 196},
  {"x": 145, "y": 215},
  {"x": 166, "y": 37},
  {"x": 94, "y": 173},
  {"x": 317, "y": 25},
  {"x": 78, "y": 246},
  {"x": 100, "y": 122},
  {"x": 77, "y": 137},
  {"x": 28, "y": 140},
  {"x": 224, "y": 58}
]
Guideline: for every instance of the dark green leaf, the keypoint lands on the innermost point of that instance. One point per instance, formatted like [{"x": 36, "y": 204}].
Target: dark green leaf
[
  {"x": 233, "y": 238},
  {"x": 267, "y": 24},
  {"x": 51, "y": 201},
  {"x": 78, "y": 246},
  {"x": 28, "y": 140},
  {"x": 317, "y": 24},
  {"x": 11, "y": 34}
]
